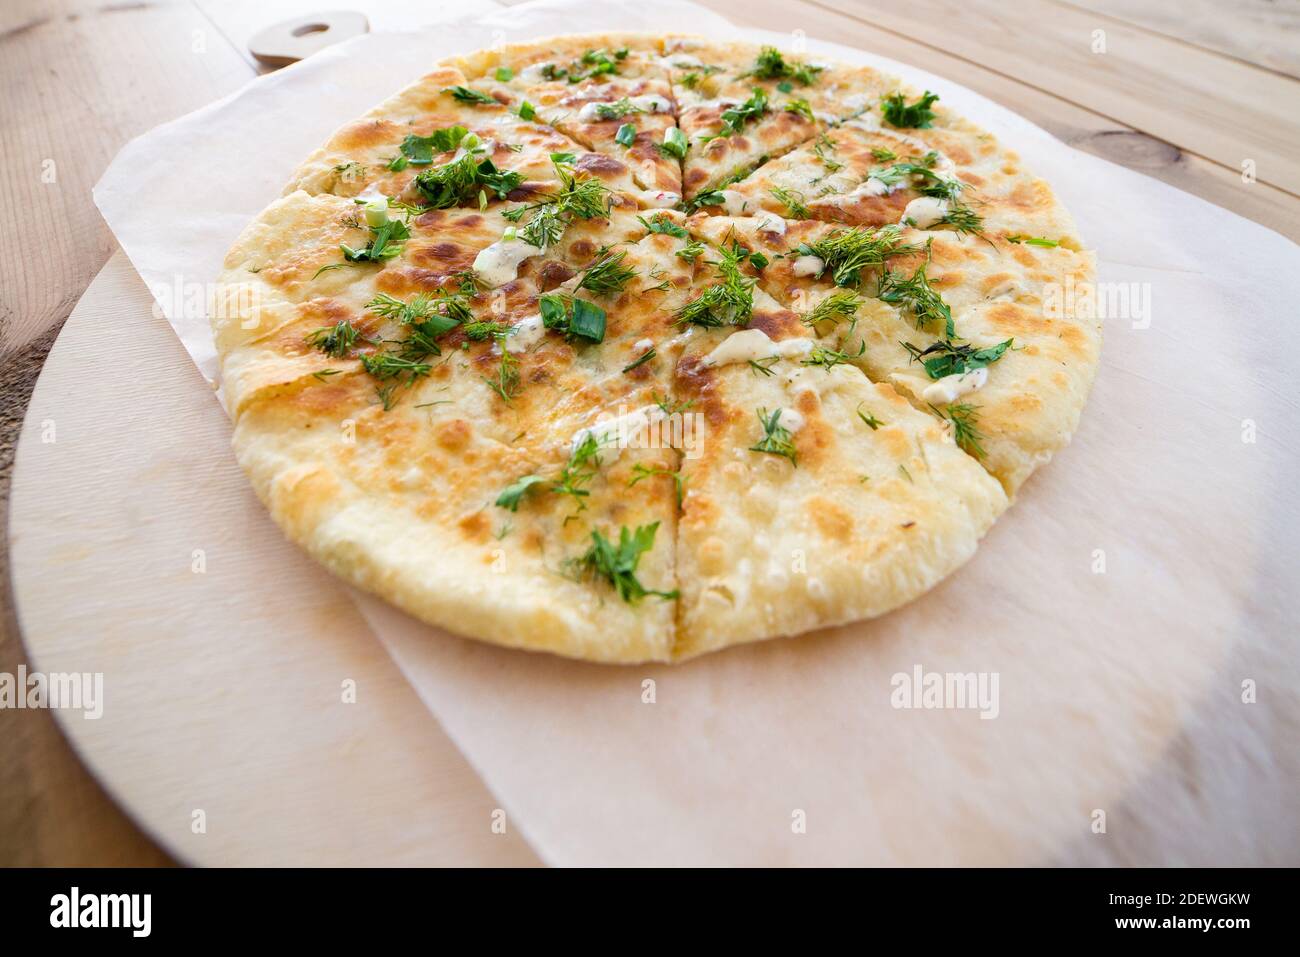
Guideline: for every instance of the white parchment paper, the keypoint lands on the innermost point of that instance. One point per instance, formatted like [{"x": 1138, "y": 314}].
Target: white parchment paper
[{"x": 1136, "y": 610}]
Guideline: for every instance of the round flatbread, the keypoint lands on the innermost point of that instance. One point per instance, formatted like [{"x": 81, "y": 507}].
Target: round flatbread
[{"x": 630, "y": 348}]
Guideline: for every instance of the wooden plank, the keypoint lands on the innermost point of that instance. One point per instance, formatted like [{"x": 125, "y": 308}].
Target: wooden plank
[
  {"x": 77, "y": 80},
  {"x": 1079, "y": 127},
  {"x": 1262, "y": 32},
  {"x": 1218, "y": 108}
]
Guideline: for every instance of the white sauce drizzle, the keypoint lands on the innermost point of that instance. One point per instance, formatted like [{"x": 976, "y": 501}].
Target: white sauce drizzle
[
  {"x": 924, "y": 211},
  {"x": 733, "y": 202},
  {"x": 952, "y": 387},
  {"x": 791, "y": 421},
  {"x": 808, "y": 266},
  {"x": 660, "y": 199},
  {"x": 617, "y": 432},
  {"x": 499, "y": 263},
  {"x": 525, "y": 334},
  {"x": 753, "y": 344}
]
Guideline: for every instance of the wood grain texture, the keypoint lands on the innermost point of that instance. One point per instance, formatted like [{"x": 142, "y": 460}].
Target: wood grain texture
[
  {"x": 224, "y": 681},
  {"x": 78, "y": 78},
  {"x": 1221, "y": 109},
  {"x": 1265, "y": 33}
]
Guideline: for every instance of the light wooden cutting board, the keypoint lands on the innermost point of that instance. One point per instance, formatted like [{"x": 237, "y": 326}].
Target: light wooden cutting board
[{"x": 140, "y": 552}]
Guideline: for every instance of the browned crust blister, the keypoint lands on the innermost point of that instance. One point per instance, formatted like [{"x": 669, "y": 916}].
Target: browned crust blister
[{"x": 393, "y": 483}]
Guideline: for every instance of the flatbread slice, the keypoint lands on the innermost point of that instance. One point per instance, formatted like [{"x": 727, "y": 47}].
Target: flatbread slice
[
  {"x": 847, "y": 504},
  {"x": 1027, "y": 402},
  {"x": 740, "y": 106},
  {"x": 614, "y": 99}
]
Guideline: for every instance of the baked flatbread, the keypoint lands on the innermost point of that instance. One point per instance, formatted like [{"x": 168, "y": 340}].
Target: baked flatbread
[{"x": 549, "y": 353}]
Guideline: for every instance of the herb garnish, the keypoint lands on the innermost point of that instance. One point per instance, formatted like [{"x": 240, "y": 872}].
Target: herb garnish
[
  {"x": 946, "y": 357},
  {"x": 898, "y": 112},
  {"x": 464, "y": 94},
  {"x": 776, "y": 437},
  {"x": 419, "y": 150},
  {"x": 617, "y": 563},
  {"x": 835, "y": 308},
  {"x": 734, "y": 118},
  {"x": 640, "y": 472},
  {"x": 772, "y": 65},
  {"x": 917, "y": 295},
  {"x": 335, "y": 341},
  {"x": 1034, "y": 241},
  {"x": 575, "y": 317},
  {"x": 465, "y": 180},
  {"x": 385, "y": 243},
  {"x": 793, "y": 200},
  {"x": 512, "y": 494},
  {"x": 607, "y": 276},
  {"x": 729, "y": 302},
  {"x": 662, "y": 223},
  {"x": 846, "y": 252},
  {"x": 965, "y": 431}
]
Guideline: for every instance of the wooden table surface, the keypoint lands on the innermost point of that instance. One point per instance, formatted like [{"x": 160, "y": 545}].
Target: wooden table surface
[{"x": 1204, "y": 95}]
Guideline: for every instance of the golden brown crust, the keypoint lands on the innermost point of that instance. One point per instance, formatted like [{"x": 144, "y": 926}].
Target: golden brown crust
[{"x": 859, "y": 496}]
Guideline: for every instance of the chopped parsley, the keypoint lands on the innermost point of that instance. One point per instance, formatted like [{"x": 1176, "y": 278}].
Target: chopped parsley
[
  {"x": 419, "y": 150},
  {"x": 512, "y": 494},
  {"x": 801, "y": 107},
  {"x": 617, "y": 563},
  {"x": 734, "y": 118},
  {"x": 662, "y": 223},
  {"x": 946, "y": 357},
  {"x": 385, "y": 243},
  {"x": 898, "y": 112},
  {"x": 465, "y": 180},
  {"x": 463, "y": 94},
  {"x": 772, "y": 65}
]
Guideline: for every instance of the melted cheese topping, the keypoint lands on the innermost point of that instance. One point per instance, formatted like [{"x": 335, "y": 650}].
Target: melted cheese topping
[
  {"x": 952, "y": 387},
  {"x": 750, "y": 345}
]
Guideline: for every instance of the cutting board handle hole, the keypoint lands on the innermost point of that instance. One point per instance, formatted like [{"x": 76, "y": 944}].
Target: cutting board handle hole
[{"x": 307, "y": 28}]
